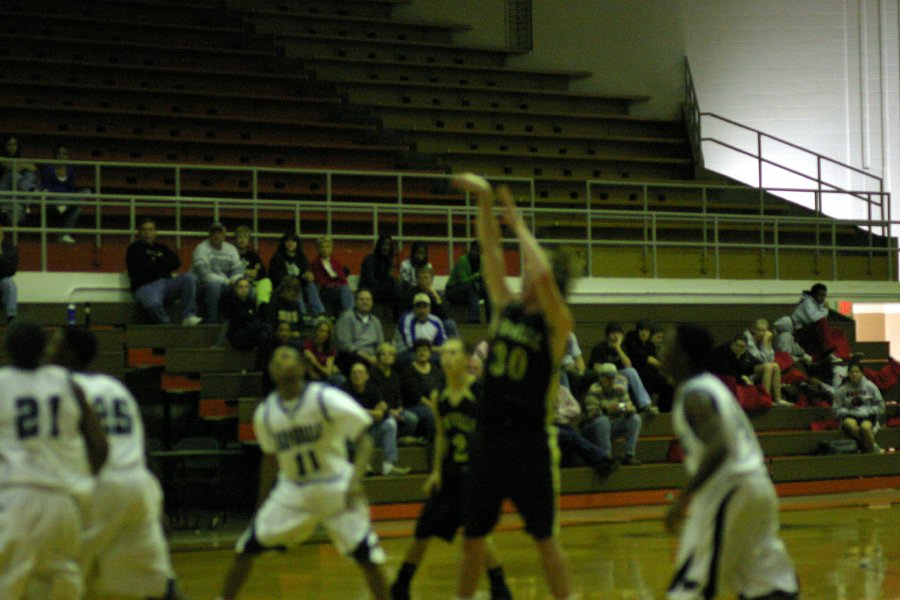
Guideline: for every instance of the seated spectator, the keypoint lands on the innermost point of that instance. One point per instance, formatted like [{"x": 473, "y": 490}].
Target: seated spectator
[
  {"x": 786, "y": 342},
  {"x": 60, "y": 179},
  {"x": 611, "y": 414},
  {"x": 813, "y": 330},
  {"x": 284, "y": 307},
  {"x": 215, "y": 264},
  {"x": 284, "y": 336},
  {"x": 765, "y": 370},
  {"x": 289, "y": 259},
  {"x": 386, "y": 378},
  {"x": 383, "y": 428},
  {"x": 732, "y": 360},
  {"x": 570, "y": 441},
  {"x": 358, "y": 333},
  {"x": 418, "y": 324},
  {"x": 244, "y": 327},
  {"x": 573, "y": 367},
  {"x": 425, "y": 285},
  {"x": 150, "y": 266},
  {"x": 418, "y": 257},
  {"x": 417, "y": 380},
  {"x": 15, "y": 175},
  {"x": 377, "y": 274},
  {"x": 610, "y": 350},
  {"x": 254, "y": 270},
  {"x": 331, "y": 277},
  {"x": 640, "y": 347},
  {"x": 859, "y": 406},
  {"x": 9, "y": 264},
  {"x": 465, "y": 287},
  {"x": 319, "y": 352}
]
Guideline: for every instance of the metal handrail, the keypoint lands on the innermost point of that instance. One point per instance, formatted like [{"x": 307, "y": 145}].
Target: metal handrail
[{"x": 582, "y": 233}]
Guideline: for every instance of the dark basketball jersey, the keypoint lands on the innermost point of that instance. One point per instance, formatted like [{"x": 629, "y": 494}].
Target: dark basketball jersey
[
  {"x": 519, "y": 376},
  {"x": 459, "y": 425}
]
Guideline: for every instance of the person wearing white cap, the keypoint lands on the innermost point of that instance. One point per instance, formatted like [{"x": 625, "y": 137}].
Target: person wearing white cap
[{"x": 418, "y": 324}]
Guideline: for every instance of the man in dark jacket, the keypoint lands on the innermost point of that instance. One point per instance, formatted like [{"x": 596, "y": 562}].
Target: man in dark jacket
[
  {"x": 9, "y": 264},
  {"x": 150, "y": 265}
]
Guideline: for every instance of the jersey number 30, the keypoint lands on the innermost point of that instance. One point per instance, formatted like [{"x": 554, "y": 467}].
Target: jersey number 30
[{"x": 511, "y": 362}]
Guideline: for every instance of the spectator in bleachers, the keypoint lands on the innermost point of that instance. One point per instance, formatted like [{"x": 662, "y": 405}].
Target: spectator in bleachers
[
  {"x": 572, "y": 375},
  {"x": 377, "y": 274},
  {"x": 253, "y": 266},
  {"x": 465, "y": 287},
  {"x": 215, "y": 264},
  {"x": 640, "y": 347},
  {"x": 567, "y": 415},
  {"x": 859, "y": 406},
  {"x": 425, "y": 285},
  {"x": 417, "y": 380},
  {"x": 786, "y": 342},
  {"x": 319, "y": 351},
  {"x": 289, "y": 259},
  {"x": 765, "y": 370},
  {"x": 384, "y": 427},
  {"x": 331, "y": 277},
  {"x": 284, "y": 336},
  {"x": 358, "y": 333},
  {"x": 150, "y": 266},
  {"x": 610, "y": 350},
  {"x": 732, "y": 360},
  {"x": 813, "y": 330},
  {"x": 611, "y": 413},
  {"x": 60, "y": 179},
  {"x": 22, "y": 175},
  {"x": 244, "y": 327},
  {"x": 284, "y": 307},
  {"x": 386, "y": 378},
  {"x": 9, "y": 264},
  {"x": 418, "y": 324},
  {"x": 418, "y": 257}
]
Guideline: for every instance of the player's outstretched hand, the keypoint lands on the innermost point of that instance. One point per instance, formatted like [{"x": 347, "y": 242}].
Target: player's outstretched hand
[
  {"x": 675, "y": 514},
  {"x": 470, "y": 182},
  {"x": 432, "y": 484}
]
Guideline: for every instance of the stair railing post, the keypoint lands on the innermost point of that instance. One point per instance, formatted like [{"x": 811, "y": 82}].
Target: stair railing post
[{"x": 590, "y": 228}]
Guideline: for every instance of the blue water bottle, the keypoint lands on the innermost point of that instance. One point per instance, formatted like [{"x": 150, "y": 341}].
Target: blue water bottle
[{"x": 70, "y": 314}]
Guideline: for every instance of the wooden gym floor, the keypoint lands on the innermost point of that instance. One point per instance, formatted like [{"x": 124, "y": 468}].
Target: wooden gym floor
[{"x": 845, "y": 548}]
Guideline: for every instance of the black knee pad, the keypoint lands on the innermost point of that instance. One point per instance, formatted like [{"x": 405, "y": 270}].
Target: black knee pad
[{"x": 369, "y": 551}]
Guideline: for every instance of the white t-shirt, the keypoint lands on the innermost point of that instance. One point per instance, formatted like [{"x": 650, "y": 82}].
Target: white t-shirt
[
  {"x": 41, "y": 443},
  {"x": 120, "y": 418},
  {"x": 309, "y": 435},
  {"x": 744, "y": 457}
]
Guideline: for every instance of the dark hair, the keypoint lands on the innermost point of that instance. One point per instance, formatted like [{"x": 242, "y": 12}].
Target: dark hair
[
  {"x": 420, "y": 342},
  {"x": 697, "y": 343},
  {"x": 381, "y": 241},
  {"x": 614, "y": 327},
  {"x": 644, "y": 324},
  {"x": 25, "y": 344},
  {"x": 288, "y": 235},
  {"x": 819, "y": 287},
  {"x": 81, "y": 344},
  {"x": 412, "y": 252},
  {"x": 363, "y": 289}
]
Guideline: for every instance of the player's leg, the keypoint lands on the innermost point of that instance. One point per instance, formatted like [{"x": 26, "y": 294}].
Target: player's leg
[
  {"x": 411, "y": 560},
  {"x": 351, "y": 533},
  {"x": 470, "y": 566},
  {"x": 556, "y": 567},
  {"x": 496, "y": 577}
]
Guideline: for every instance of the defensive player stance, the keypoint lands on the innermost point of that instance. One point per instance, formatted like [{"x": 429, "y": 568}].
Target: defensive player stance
[
  {"x": 303, "y": 430},
  {"x": 514, "y": 453},
  {"x": 124, "y": 552},
  {"x": 50, "y": 445},
  {"x": 730, "y": 541},
  {"x": 455, "y": 410}
]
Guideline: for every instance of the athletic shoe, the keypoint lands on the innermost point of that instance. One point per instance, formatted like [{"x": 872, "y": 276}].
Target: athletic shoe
[
  {"x": 394, "y": 470},
  {"x": 399, "y": 592},
  {"x": 66, "y": 239},
  {"x": 191, "y": 320},
  {"x": 606, "y": 467},
  {"x": 631, "y": 461},
  {"x": 501, "y": 593}
]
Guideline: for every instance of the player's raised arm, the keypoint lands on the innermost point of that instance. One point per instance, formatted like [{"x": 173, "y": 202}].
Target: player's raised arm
[
  {"x": 540, "y": 274},
  {"x": 493, "y": 266}
]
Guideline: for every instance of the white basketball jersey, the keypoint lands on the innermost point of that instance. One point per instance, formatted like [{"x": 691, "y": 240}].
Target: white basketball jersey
[
  {"x": 744, "y": 453},
  {"x": 41, "y": 443},
  {"x": 120, "y": 418},
  {"x": 309, "y": 434}
]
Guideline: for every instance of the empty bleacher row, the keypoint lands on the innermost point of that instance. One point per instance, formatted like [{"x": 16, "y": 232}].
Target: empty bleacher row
[{"x": 189, "y": 390}]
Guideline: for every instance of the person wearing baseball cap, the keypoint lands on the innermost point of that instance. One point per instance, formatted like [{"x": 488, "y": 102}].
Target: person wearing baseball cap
[
  {"x": 215, "y": 263},
  {"x": 417, "y": 324}
]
